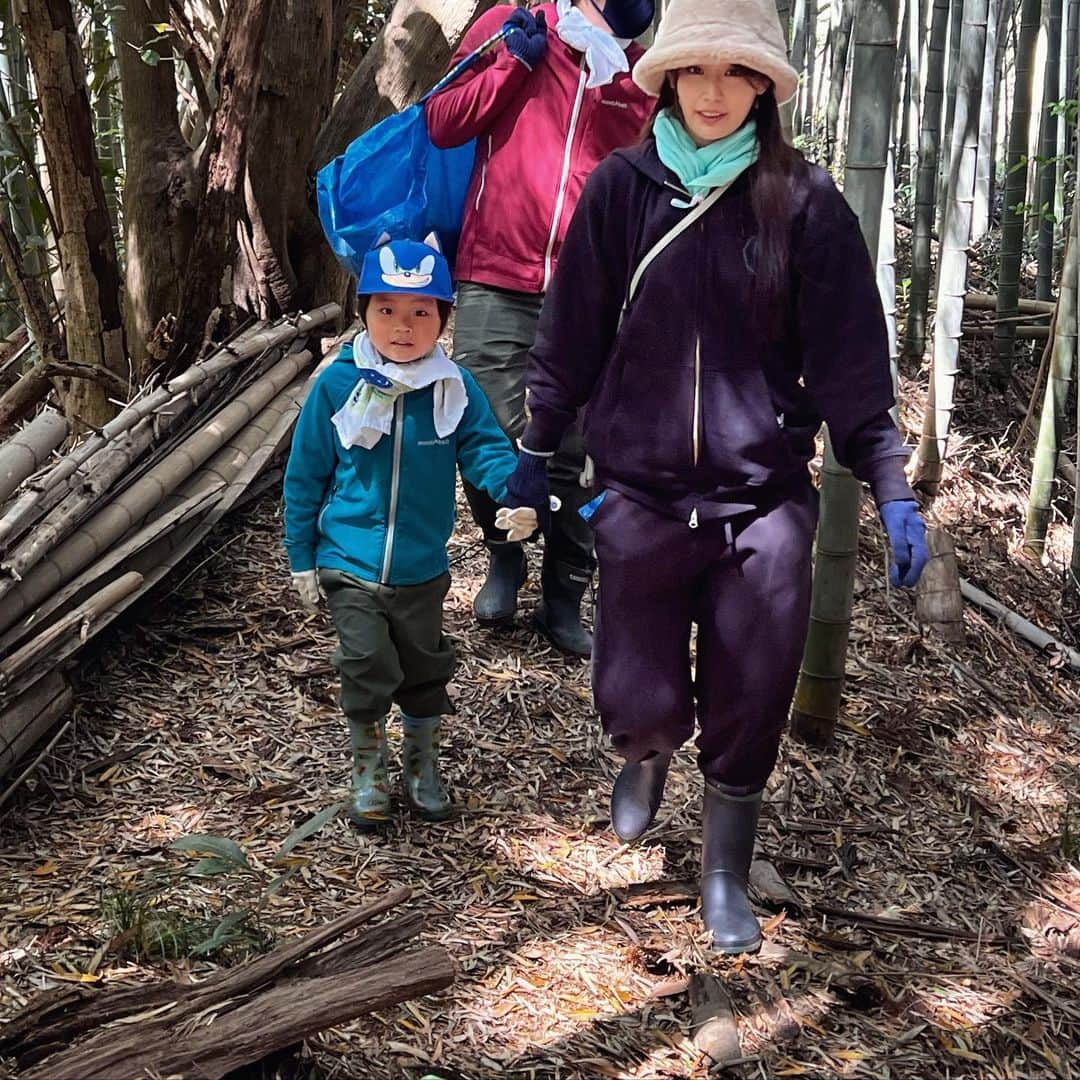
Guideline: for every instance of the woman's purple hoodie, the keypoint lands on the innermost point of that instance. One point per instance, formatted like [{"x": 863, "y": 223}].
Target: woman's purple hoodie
[{"x": 688, "y": 406}]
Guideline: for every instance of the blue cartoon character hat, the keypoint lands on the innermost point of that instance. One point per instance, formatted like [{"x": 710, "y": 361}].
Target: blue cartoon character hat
[{"x": 406, "y": 266}]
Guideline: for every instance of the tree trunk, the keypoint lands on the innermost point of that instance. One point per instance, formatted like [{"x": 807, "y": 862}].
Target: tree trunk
[
  {"x": 952, "y": 274},
  {"x": 221, "y": 174},
  {"x": 1052, "y": 425},
  {"x": 821, "y": 679},
  {"x": 95, "y": 328},
  {"x": 1016, "y": 173},
  {"x": 925, "y": 188},
  {"x": 984, "y": 168},
  {"x": 159, "y": 192},
  {"x": 294, "y": 97},
  {"x": 1044, "y": 284},
  {"x": 409, "y": 55},
  {"x": 16, "y": 141},
  {"x": 841, "y": 43}
]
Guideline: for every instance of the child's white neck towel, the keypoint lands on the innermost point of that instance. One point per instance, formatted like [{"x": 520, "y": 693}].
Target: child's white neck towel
[{"x": 368, "y": 414}]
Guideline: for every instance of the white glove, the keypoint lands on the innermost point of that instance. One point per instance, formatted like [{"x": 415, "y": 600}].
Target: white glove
[
  {"x": 306, "y": 583},
  {"x": 519, "y": 523}
]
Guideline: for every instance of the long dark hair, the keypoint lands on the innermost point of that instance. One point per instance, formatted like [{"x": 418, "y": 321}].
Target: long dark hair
[{"x": 770, "y": 197}]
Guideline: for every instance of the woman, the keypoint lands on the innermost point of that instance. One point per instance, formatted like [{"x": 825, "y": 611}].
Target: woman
[{"x": 704, "y": 382}]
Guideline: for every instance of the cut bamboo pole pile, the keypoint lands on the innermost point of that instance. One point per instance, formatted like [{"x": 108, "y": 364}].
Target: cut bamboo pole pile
[
  {"x": 236, "y": 1017},
  {"x": 83, "y": 539}
]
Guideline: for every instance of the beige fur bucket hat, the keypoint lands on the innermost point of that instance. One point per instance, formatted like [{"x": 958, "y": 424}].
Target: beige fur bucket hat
[{"x": 743, "y": 32}]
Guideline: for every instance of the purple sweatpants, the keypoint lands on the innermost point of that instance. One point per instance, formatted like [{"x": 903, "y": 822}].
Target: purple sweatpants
[{"x": 746, "y": 583}]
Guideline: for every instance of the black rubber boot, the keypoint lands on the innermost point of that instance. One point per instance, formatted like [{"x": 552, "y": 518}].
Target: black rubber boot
[
  {"x": 496, "y": 602},
  {"x": 636, "y": 796},
  {"x": 728, "y": 825},
  {"x": 558, "y": 615}
]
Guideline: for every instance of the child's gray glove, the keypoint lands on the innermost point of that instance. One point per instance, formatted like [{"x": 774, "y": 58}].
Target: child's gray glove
[{"x": 306, "y": 583}]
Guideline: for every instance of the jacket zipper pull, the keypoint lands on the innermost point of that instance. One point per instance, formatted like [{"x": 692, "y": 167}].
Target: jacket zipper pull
[{"x": 693, "y": 518}]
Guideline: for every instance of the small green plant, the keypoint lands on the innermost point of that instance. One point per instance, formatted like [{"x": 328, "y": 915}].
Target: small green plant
[{"x": 153, "y": 922}]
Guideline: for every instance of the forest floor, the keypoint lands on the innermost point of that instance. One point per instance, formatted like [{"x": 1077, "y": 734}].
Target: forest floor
[{"x": 950, "y": 801}]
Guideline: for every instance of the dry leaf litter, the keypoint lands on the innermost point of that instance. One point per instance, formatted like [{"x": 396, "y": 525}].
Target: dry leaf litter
[{"x": 937, "y": 925}]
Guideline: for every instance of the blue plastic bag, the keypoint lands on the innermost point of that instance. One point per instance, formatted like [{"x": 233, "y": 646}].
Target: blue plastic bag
[{"x": 393, "y": 179}]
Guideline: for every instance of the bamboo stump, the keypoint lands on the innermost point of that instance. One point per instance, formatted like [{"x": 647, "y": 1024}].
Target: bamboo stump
[{"x": 938, "y": 603}]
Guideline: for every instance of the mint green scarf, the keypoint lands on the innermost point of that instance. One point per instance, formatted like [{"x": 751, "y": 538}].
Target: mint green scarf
[{"x": 702, "y": 168}]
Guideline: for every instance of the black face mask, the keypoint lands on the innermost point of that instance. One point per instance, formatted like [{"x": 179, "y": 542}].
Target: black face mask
[{"x": 627, "y": 18}]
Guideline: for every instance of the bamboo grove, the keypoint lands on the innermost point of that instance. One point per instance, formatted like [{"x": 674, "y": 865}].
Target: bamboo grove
[{"x": 157, "y": 162}]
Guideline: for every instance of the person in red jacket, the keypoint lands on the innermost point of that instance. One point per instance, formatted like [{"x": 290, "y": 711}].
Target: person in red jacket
[{"x": 544, "y": 111}]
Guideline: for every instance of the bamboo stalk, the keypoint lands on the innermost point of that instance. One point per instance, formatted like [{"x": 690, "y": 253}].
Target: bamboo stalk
[
  {"x": 1019, "y": 625},
  {"x": 952, "y": 274},
  {"x": 989, "y": 302},
  {"x": 1052, "y": 419},
  {"x": 27, "y": 450},
  {"x": 816, "y": 704}
]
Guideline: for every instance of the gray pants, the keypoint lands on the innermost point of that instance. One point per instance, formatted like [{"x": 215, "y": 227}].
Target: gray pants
[
  {"x": 391, "y": 646},
  {"x": 493, "y": 332}
]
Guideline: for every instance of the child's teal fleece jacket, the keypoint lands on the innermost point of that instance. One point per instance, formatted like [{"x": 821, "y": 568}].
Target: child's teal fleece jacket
[{"x": 385, "y": 514}]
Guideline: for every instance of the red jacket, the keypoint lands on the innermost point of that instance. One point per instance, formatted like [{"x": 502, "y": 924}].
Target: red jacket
[{"x": 539, "y": 135}]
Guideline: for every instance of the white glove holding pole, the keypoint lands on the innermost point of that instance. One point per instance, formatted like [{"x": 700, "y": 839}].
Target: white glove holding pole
[{"x": 306, "y": 583}]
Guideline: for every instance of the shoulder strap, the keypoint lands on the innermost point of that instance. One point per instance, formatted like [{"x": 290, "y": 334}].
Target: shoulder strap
[{"x": 667, "y": 238}]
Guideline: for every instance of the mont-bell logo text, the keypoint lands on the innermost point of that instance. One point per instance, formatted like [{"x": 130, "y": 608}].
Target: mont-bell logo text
[{"x": 433, "y": 442}]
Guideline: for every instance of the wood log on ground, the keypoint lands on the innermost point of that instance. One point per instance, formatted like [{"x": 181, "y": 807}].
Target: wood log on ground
[
  {"x": 28, "y": 450},
  {"x": 938, "y": 602},
  {"x": 235, "y": 1017}
]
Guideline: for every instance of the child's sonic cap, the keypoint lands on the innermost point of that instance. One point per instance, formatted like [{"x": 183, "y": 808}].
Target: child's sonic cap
[{"x": 406, "y": 266}]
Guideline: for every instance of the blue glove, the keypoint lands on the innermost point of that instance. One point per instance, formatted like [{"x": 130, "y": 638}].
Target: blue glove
[
  {"x": 528, "y": 486},
  {"x": 907, "y": 538},
  {"x": 526, "y": 38}
]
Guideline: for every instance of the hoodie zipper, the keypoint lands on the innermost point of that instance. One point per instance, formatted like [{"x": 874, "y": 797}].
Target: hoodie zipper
[
  {"x": 697, "y": 400},
  {"x": 483, "y": 176},
  {"x": 564, "y": 178},
  {"x": 395, "y": 476}
]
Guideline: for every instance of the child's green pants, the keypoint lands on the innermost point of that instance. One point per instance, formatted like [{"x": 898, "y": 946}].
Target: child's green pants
[{"x": 391, "y": 647}]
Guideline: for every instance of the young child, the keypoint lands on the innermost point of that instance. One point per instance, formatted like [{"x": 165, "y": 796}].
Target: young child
[
  {"x": 369, "y": 507},
  {"x": 714, "y": 302}
]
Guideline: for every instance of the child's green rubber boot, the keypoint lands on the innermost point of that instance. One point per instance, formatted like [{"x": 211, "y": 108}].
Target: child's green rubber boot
[
  {"x": 370, "y": 802},
  {"x": 424, "y": 789}
]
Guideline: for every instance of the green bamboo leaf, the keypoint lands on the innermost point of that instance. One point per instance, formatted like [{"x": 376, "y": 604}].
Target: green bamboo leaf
[
  {"x": 148, "y": 56},
  {"x": 309, "y": 828},
  {"x": 218, "y": 846},
  {"x": 212, "y": 867},
  {"x": 224, "y": 932}
]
